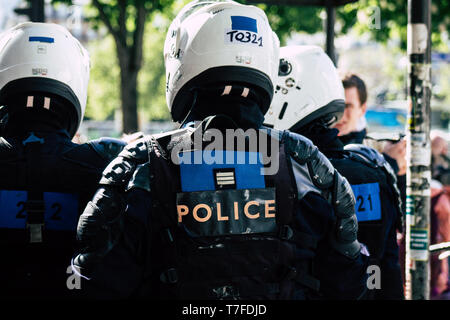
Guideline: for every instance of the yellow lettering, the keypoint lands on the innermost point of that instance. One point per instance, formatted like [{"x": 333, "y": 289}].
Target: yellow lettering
[
  {"x": 248, "y": 204},
  {"x": 219, "y": 211},
  {"x": 268, "y": 208},
  {"x": 236, "y": 211},
  {"x": 182, "y": 211},
  {"x": 208, "y": 212}
]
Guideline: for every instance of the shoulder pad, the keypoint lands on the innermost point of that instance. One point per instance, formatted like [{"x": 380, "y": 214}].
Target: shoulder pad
[
  {"x": 303, "y": 180},
  {"x": 8, "y": 151},
  {"x": 140, "y": 178},
  {"x": 178, "y": 139},
  {"x": 118, "y": 172},
  {"x": 373, "y": 157},
  {"x": 136, "y": 151},
  {"x": 369, "y": 154},
  {"x": 4, "y": 144},
  {"x": 176, "y": 132},
  {"x": 303, "y": 151},
  {"x": 274, "y": 133},
  {"x": 107, "y": 148},
  {"x": 121, "y": 169},
  {"x": 325, "y": 177},
  {"x": 322, "y": 173},
  {"x": 300, "y": 147}
]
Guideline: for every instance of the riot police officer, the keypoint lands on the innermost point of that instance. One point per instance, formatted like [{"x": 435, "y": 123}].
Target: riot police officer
[
  {"x": 46, "y": 179},
  {"x": 211, "y": 211},
  {"x": 309, "y": 100}
]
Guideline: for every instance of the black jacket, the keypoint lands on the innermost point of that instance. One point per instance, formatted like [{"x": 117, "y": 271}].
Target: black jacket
[
  {"x": 379, "y": 235},
  {"x": 42, "y": 170},
  {"x": 124, "y": 255}
]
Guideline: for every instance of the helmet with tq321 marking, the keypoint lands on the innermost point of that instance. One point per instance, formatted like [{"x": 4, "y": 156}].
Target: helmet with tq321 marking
[{"x": 213, "y": 43}]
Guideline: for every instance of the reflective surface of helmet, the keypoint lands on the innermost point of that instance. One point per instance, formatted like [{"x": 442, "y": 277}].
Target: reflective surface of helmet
[
  {"x": 218, "y": 42},
  {"x": 44, "y": 58},
  {"x": 307, "y": 88}
]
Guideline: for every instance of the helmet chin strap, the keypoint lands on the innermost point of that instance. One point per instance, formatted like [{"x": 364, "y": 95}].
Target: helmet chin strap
[
  {"x": 316, "y": 126},
  {"x": 190, "y": 115}
]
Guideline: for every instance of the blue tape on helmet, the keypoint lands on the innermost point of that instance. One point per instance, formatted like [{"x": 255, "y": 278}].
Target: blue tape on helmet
[
  {"x": 243, "y": 23},
  {"x": 41, "y": 39}
]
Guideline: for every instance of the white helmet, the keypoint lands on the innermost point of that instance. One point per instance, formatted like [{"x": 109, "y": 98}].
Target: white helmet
[
  {"x": 44, "y": 58},
  {"x": 308, "y": 88},
  {"x": 219, "y": 42}
]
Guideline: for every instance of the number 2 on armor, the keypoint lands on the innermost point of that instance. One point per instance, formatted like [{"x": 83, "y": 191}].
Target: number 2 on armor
[
  {"x": 360, "y": 200},
  {"x": 20, "y": 214},
  {"x": 55, "y": 216}
]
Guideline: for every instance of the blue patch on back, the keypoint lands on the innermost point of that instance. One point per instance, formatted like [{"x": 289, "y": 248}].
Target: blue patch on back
[
  {"x": 368, "y": 204},
  {"x": 197, "y": 169},
  {"x": 243, "y": 23},
  {"x": 12, "y": 207},
  {"x": 41, "y": 39},
  {"x": 61, "y": 210}
]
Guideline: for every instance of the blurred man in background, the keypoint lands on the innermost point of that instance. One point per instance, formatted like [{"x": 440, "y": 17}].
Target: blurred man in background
[{"x": 352, "y": 126}]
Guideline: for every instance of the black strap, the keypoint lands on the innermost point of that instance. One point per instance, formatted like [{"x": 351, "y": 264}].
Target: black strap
[
  {"x": 35, "y": 209},
  {"x": 34, "y": 206}
]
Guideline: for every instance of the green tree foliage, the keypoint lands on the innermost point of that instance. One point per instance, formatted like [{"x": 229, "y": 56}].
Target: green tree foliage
[
  {"x": 104, "y": 84},
  {"x": 152, "y": 94},
  {"x": 361, "y": 17},
  {"x": 286, "y": 20},
  {"x": 104, "y": 91},
  {"x": 125, "y": 21}
]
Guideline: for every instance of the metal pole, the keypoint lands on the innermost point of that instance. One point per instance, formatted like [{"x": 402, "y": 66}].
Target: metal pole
[
  {"x": 331, "y": 19},
  {"x": 418, "y": 151}
]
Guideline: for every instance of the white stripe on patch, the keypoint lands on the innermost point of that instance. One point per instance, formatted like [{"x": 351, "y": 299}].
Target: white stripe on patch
[
  {"x": 47, "y": 103},
  {"x": 30, "y": 100},
  {"x": 224, "y": 174},
  {"x": 226, "y": 90},
  {"x": 225, "y": 178}
]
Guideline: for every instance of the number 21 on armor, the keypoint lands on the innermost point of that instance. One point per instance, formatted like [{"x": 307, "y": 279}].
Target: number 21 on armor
[{"x": 368, "y": 204}]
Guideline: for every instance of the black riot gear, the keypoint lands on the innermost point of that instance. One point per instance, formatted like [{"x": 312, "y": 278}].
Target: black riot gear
[
  {"x": 310, "y": 100},
  {"x": 211, "y": 211},
  {"x": 46, "y": 182},
  {"x": 378, "y": 204},
  {"x": 238, "y": 238}
]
